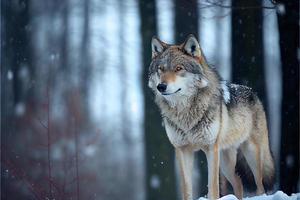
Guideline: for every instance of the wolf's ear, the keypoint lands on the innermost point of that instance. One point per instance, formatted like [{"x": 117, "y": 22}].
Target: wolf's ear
[
  {"x": 192, "y": 47},
  {"x": 157, "y": 46}
]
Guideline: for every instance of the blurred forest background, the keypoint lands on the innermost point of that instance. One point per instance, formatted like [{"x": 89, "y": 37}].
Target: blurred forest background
[{"x": 77, "y": 118}]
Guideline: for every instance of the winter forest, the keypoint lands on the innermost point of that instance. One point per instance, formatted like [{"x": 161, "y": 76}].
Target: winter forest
[{"x": 78, "y": 120}]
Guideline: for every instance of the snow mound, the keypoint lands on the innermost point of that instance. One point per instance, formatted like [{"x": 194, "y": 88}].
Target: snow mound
[{"x": 279, "y": 195}]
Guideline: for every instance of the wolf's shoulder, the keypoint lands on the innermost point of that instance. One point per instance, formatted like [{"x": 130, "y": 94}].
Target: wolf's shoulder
[{"x": 235, "y": 93}]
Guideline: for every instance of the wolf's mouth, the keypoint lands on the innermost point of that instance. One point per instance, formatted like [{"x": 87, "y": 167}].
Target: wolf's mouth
[{"x": 164, "y": 93}]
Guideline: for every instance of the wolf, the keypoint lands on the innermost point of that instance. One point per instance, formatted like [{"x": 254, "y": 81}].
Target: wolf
[{"x": 200, "y": 111}]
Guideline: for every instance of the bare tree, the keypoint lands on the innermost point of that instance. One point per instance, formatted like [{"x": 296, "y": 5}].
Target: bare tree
[
  {"x": 160, "y": 175},
  {"x": 16, "y": 31},
  {"x": 288, "y": 21},
  {"x": 65, "y": 38},
  {"x": 85, "y": 65},
  {"x": 15, "y": 66}
]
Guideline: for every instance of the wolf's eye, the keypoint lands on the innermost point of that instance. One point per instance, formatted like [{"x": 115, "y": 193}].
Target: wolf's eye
[{"x": 178, "y": 68}]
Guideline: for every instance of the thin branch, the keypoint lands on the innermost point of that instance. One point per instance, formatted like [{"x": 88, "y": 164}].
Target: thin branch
[
  {"x": 42, "y": 123},
  {"x": 76, "y": 160},
  {"x": 217, "y": 16},
  {"x": 19, "y": 173},
  {"x": 49, "y": 143},
  {"x": 210, "y": 3},
  {"x": 56, "y": 186}
]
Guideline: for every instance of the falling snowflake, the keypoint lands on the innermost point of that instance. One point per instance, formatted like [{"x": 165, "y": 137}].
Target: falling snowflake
[{"x": 10, "y": 75}]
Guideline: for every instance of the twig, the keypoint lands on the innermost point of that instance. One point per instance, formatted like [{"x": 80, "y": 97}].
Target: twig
[
  {"x": 42, "y": 123},
  {"x": 56, "y": 186},
  {"x": 49, "y": 144},
  {"x": 215, "y": 3},
  {"x": 19, "y": 173},
  {"x": 76, "y": 159}
]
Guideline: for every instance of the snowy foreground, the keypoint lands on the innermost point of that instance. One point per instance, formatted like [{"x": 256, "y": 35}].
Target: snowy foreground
[{"x": 276, "y": 196}]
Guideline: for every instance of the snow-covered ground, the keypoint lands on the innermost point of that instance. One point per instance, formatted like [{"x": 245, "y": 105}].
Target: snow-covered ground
[{"x": 279, "y": 195}]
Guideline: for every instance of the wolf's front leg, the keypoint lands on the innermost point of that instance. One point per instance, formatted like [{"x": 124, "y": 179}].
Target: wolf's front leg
[
  {"x": 185, "y": 159},
  {"x": 213, "y": 164}
]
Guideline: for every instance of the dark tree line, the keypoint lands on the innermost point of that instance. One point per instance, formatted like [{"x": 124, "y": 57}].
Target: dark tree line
[{"x": 22, "y": 102}]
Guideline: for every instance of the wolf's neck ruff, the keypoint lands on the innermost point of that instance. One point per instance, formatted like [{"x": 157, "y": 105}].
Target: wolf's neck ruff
[{"x": 198, "y": 110}]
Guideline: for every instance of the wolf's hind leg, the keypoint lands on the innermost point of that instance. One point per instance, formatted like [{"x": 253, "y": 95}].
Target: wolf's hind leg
[
  {"x": 253, "y": 155},
  {"x": 227, "y": 163},
  {"x": 223, "y": 185}
]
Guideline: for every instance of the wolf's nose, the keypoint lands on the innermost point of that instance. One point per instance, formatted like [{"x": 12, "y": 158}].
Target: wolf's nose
[{"x": 162, "y": 87}]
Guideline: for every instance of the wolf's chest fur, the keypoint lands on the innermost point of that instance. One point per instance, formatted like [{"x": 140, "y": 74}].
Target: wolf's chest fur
[{"x": 195, "y": 125}]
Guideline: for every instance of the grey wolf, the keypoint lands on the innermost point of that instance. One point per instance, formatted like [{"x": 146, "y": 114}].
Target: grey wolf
[{"x": 202, "y": 112}]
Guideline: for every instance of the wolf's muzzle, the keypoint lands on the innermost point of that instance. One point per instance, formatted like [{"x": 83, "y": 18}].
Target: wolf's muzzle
[{"x": 162, "y": 87}]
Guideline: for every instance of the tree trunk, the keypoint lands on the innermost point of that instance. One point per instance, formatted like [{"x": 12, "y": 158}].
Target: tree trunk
[
  {"x": 16, "y": 75},
  {"x": 85, "y": 66},
  {"x": 160, "y": 176},
  {"x": 186, "y": 19},
  {"x": 288, "y": 22},
  {"x": 85, "y": 60},
  {"x": 247, "y": 46},
  {"x": 16, "y": 47},
  {"x": 65, "y": 65}
]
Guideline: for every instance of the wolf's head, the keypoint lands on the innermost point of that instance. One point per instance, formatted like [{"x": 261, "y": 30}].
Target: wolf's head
[{"x": 177, "y": 71}]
